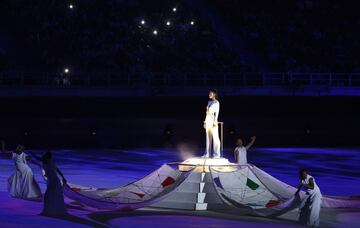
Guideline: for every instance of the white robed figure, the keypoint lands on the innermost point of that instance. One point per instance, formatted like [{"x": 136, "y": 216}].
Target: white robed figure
[
  {"x": 211, "y": 126},
  {"x": 22, "y": 183},
  {"x": 311, "y": 204},
  {"x": 240, "y": 152},
  {"x": 54, "y": 196}
]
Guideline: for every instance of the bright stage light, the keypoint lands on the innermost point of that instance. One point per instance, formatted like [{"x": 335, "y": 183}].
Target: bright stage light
[
  {"x": 155, "y": 32},
  {"x": 71, "y": 6},
  {"x": 192, "y": 22},
  {"x": 168, "y": 23},
  {"x": 204, "y": 164},
  {"x": 174, "y": 9},
  {"x": 66, "y": 70},
  {"x": 142, "y": 22},
  {"x": 207, "y": 161}
]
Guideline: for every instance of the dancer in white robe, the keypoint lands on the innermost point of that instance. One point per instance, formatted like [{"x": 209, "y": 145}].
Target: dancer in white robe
[
  {"x": 311, "y": 204},
  {"x": 22, "y": 183},
  {"x": 240, "y": 152},
  {"x": 211, "y": 126},
  {"x": 54, "y": 197}
]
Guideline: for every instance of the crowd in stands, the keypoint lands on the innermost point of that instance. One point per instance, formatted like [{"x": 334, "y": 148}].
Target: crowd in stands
[
  {"x": 108, "y": 36},
  {"x": 299, "y": 35}
]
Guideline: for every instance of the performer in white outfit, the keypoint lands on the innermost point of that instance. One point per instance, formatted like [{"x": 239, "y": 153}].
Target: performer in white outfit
[
  {"x": 240, "y": 152},
  {"x": 211, "y": 126},
  {"x": 310, "y": 207},
  {"x": 54, "y": 196},
  {"x": 22, "y": 183}
]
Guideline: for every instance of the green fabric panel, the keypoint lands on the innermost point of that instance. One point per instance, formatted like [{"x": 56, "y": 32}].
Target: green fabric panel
[{"x": 251, "y": 184}]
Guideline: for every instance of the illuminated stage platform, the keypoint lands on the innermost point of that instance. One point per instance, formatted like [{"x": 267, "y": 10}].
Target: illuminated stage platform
[
  {"x": 204, "y": 164},
  {"x": 197, "y": 192}
]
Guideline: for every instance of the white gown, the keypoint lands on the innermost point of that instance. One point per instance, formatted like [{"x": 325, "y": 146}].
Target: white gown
[
  {"x": 22, "y": 183},
  {"x": 54, "y": 196},
  {"x": 212, "y": 130},
  {"x": 310, "y": 208},
  {"x": 241, "y": 153}
]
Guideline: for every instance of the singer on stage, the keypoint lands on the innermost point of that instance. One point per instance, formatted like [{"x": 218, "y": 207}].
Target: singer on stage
[{"x": 211, "y": 126}]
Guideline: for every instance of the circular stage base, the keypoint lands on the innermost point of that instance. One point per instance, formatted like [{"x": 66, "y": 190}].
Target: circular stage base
[{"x": 204, "y": 164}]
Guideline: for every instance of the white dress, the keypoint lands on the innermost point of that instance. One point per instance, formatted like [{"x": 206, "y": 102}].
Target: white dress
[
  {"x": 310, "y": 209},
  {"x": 212, "y": 130},
  {"x": 54, "y": 196},
  {"x": 22, "y": 183},
  {"x": 241, "y": 154}
]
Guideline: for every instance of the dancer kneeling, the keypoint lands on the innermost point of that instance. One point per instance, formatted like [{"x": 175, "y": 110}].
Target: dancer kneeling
[
  {"x": 310, "y": 207},
  {"x": 22, "y": 183},
  {"x": 54, "y": 196}
]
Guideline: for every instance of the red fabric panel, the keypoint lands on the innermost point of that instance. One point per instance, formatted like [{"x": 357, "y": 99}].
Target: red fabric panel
[
  {"x": 168, "y": 181},
  {"x": 272, "y": 203},
  {"x": 138, "y": 194}
]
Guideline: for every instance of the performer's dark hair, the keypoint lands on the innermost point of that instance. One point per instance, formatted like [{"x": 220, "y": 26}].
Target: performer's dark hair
[
  {"x": 215, "y": 92},
  {"x": 302, "y": 170},
  {"x": 21, "y": 145},
  {"x": 47, "y": 155}
]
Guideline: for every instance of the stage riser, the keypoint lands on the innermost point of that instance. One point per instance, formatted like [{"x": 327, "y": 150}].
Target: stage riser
[{"x": 197, "y": 192}]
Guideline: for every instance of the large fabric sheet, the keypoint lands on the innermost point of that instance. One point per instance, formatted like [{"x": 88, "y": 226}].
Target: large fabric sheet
[
  {"x": 138, "y": 194},
  {"x": 243, "y": 189},
  {"x": 250, "y": 187}
]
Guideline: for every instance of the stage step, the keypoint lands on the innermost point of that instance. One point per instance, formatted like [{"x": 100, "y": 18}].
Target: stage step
[{"x": 197, "y": 192}]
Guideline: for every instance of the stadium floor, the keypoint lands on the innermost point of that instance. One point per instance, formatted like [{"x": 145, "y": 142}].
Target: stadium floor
[{"x": 336, "y": 171}]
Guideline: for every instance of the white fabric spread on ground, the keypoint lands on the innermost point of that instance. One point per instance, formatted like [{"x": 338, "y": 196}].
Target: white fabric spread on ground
[
  {"x": 140, "y": 193},
  {"x": 246, "y": 187},
  {"x": 250, "y": 187}
]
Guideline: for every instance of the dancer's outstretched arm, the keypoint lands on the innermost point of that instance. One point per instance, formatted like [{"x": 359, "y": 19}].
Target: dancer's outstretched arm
[
  {"x": 35, "y": 162},
  {"x": 33, "y": 158},
  {"x": 251, "y": 143},
  {"x": 62, "y": 175}
]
